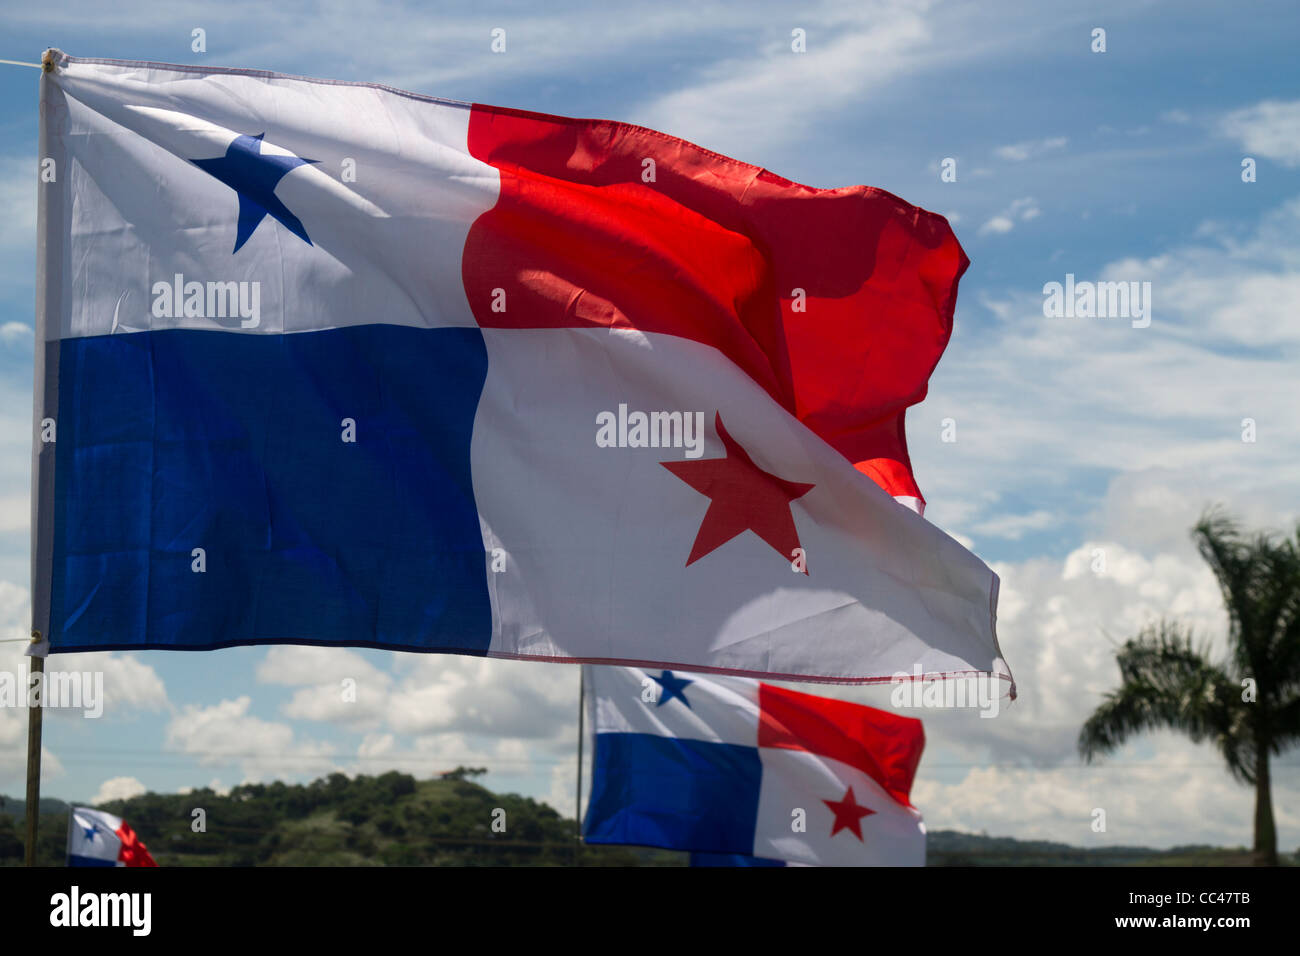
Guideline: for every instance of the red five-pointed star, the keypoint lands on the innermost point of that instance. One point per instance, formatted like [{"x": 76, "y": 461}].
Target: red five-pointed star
[
  {"x": 848, "y": 814},
  {"x": 743, "y": 497}
]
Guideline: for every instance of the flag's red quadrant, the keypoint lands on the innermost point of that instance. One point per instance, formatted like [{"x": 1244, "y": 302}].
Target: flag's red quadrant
[
  {"x": 887, "y": 747},
  {"x": 838, "y": 302}
]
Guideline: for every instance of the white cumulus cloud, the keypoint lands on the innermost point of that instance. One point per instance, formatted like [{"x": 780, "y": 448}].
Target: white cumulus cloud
[
  {"x": 1270, "y": 129},
  {"x": 118, "y": 788}
]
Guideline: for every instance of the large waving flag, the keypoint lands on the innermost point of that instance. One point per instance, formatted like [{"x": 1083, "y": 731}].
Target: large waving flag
[
  {"x": 332, "y": 363},
  {"x": 96, "y": 838},
  {"x": 725, "y": 765}
]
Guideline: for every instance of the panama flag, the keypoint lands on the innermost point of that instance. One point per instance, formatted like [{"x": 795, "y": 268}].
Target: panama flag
[
  {"x": 331, "y": 363},
  {"x": 726, "y": 765},
  {"x": 96, "y": 838}
]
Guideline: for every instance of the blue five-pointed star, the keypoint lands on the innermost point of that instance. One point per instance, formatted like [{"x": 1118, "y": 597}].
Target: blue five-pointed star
[
  {"x": 253, "y": 175},
  {"x": 91, "y": 830},
  {"x": 672, "y": 687}
]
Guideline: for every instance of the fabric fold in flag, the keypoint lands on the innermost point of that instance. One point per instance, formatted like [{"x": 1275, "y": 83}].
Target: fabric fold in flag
[
  {"x": 332, "y": 363},
  {"x": 743, "y": 773},
  {"x": 97, "y": 838}
]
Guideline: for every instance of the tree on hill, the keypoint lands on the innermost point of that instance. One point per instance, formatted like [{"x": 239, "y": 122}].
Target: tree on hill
[{"x": 463, "y": 773}]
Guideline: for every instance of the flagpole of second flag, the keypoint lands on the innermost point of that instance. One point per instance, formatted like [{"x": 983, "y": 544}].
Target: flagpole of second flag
[
  {"x": 36, "y": 674},
  {"x": 577, "y": 801}
]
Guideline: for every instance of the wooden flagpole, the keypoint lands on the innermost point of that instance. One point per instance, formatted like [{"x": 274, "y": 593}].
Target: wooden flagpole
[
  {"x": 577, "y": 802},
  {"x": 36, "y": 675},
  {"x": 42, "y": 477}
]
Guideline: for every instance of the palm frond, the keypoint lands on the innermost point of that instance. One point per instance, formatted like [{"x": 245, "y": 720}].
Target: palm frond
[
  {"x": 1166, "y": 681},
  {"x": 1259, "y": 577},
  {"x": 1285, "y": 725}
]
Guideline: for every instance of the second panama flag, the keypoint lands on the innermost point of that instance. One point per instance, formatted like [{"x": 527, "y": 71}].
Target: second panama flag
[
  {"x": 333, "y": 363},
  {"x": 725, "y": 765}
]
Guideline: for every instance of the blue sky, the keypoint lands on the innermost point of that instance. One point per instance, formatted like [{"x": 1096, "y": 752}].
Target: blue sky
[{"x": 1073, "y": 435}]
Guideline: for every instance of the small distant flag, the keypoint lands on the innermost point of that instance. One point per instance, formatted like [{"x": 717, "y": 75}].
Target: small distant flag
[
  {"x": 96, "y": 838},
  {"x": 744, "y": 773}
]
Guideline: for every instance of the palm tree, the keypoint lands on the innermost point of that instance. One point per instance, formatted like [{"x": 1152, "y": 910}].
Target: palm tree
[{"x": 1248, "y": 705}]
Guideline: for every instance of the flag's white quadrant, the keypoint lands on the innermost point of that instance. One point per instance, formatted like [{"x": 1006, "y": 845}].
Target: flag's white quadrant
[
  {"x": 350, "y": 204},
  {"x": 331, "y": 363},
  {"x": 634, "y": 701},
  {"x": 815, "y": 809},
  {"x": 599, "y": 540}
]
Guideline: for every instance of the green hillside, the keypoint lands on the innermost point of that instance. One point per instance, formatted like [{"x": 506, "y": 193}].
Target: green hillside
[
  {"x": 396, "y": 820},
  {"x": 390, "y": 820},
  {"x": 951, "y": 848}
]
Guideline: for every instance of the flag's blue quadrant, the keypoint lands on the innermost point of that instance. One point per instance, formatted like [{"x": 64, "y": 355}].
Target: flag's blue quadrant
[
  {"x": 216, "y": 489},
  {"x": 732, "y": 859},
  {"x": 659, "y": 791}
]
